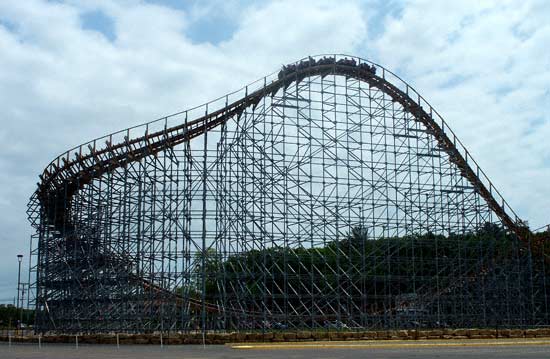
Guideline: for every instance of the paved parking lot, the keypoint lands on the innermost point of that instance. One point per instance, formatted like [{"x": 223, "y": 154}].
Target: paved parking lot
[{"x": 55, "y": 351}]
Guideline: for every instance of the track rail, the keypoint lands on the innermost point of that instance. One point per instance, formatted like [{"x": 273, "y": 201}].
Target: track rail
[{"x": 64, "y": 176}]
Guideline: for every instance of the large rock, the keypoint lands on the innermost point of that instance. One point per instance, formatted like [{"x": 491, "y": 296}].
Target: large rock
[
  {"x": 237, "y": 337},
  {"x": 278, "y": 337},
  {"x": 368, "y": 335},
  {"x": 543, "y": 332},
  {"x": 347, "y": 335},
  {"x": 516, "y": 333},
  {"x": 402, "y": 334},
  {"x": 382, "y": 334},
  {"x": 303, "y": 335},
  {"x": 289, "y": 336},
  {"x": 435, "y": 333},
  {"x": 480, "y": 336},
  {"x": 487, "y": 332},
  {"x": 254, "y": 337},
  {"x": 460, "y": 332},
  {"x": 320, "y": 335}
]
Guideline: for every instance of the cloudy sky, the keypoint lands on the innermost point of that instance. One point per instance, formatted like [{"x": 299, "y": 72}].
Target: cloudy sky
[{"x": 71, "y": 71}]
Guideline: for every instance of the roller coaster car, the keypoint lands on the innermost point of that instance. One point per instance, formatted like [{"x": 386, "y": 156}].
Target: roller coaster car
[
  {"x": 326, "y": 61},
  {"x": 310, "y": 62},
  {"x": 367, "y": 67},
  {"x": 346, "y": 62}
]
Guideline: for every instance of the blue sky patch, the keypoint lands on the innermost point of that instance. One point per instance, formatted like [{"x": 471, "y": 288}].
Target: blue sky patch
[
  {"x": 98, "y": 21},
  {"x": 10, "y": 26},
  {"x": 453, "y": 81},
  {"x": 382, "y": 11},
  {"x": 211, "y": 29},
  {"x": 214, "y": 26}
]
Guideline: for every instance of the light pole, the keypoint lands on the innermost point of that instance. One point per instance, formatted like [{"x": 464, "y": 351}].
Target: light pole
[{"x": 19, "y": 259}]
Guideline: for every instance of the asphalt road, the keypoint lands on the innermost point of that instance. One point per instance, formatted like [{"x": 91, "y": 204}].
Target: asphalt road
[{"x": 219, "y": 351}]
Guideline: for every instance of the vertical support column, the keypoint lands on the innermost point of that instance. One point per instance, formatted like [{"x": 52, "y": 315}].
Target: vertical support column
[{"x": 203, "y": 249}]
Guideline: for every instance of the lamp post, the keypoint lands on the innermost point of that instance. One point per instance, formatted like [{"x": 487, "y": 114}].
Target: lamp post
[{"x": 19, "y": 259}]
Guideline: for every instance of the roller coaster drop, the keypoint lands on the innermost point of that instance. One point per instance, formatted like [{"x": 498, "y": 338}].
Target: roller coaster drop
[{"x": 330, "y": 194}]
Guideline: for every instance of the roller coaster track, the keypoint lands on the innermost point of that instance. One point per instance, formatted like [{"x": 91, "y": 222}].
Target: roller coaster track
[
  {"x": 76, "y": 168},
  {"x": 64, "y": 176}
]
